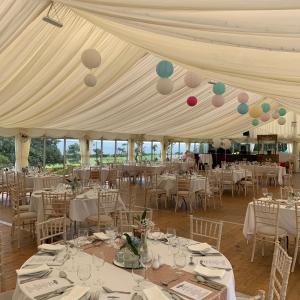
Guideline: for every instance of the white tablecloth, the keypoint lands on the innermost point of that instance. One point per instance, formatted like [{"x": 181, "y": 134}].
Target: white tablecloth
[
  {"x": 168, "y": 183},
  {"x": 206, "y": 159},
  {"x": 281, "y": 171},
  {"x": 237, "y": 175},
  {"x": 119, "y": 279},
  {"x": 86, "y": 205},
  {"x": 41, "y": 182},
  {"x": 287, "y": 220}
]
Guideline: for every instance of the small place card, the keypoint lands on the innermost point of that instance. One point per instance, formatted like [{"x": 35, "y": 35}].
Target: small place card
[{"x": 191, "y": 290}]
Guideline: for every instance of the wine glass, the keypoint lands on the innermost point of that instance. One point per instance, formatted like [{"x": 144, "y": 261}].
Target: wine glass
[
  {"x": 111, "y": 233},
  {"x": 138, "y": 279},
  {"x": 146, "y": 257},
  {"x": 264, "y": 192},
  {"x": 180, "y": 261},
  {"x": 171, "y": 233},
  {"x": 83, "y": 234},
  {"x": 98, "y": 259},
  {"x": 173, "y": 249},
  {"x": 84, "y": 272}
]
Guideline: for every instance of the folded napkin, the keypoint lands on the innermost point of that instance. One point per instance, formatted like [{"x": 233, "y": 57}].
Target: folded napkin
[
  {"x": 31, "y": 271},
  {"x": 51, "y": 247},
  {"x": 207, "y": 272},
  {"x": 200, "y": 247},
  {"x": 76, "y": 293},
  {"x": 155, "y": 235},
  {"x": 101, "y": 236},
  {"x": 154, "y": 293}
]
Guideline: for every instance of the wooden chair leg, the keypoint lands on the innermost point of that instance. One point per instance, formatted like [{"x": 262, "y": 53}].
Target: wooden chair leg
[
  {"x": 295, "y": 255},
  {"x": 253, "y": 249}
]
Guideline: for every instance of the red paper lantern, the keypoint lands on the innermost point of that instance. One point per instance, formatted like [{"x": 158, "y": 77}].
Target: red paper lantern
[{"x": 191, "y": 101}]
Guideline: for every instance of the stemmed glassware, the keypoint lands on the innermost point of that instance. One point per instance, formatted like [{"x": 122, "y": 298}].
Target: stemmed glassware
[
  {"x": 173, "y": 249},
  {"x": 146, "y": 257},
  {"x": 138, "y": 279},
  {"x": 264, "y": 192},
  {"x": 180, "y": 261}
]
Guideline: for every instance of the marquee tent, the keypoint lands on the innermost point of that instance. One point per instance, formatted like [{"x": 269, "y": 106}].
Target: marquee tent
[{"x": 236, "y": 42}]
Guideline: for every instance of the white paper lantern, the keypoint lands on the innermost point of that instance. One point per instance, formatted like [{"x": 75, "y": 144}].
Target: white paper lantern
[
  {"x": 217, "y": 100},
  {"x": 275, "y": 115},
  {"x": 243, "y": 97},
  {"x": 91, "y": 58},
  {"x": 216, "y": 143},
  {"x": 192, "y": 79},
  {"x": 90, "y": 80},
  {"x": 281, "y": 121},
  {"x": 226, "y": 144},
  {"x": 164, "y": 86}
]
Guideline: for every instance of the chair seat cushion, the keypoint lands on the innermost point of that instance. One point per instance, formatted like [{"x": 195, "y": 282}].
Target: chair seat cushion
[
  {"x": 104, "y": 219},
  {"x": 26, "y": 215},
  {"x": 270, "y": 230},
  {"x": 24, "y": 207}
]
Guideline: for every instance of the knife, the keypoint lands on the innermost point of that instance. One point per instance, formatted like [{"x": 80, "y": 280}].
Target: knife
[{"x": 53, "y": 293}]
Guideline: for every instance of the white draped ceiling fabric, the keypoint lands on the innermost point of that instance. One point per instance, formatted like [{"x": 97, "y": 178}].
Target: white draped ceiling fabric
[{"x": 249, "y": 45}]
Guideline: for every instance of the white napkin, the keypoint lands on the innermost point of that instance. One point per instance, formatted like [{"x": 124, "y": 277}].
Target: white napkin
[
  {"x": 154, "y": 293},
  {"x": 207, "y": 272},
  {"x": 76, "y": 293},
  {"x": 101, "y": 236},
  {"x": 51, "y": 247},
  {"x": 155, "y": 235},
  {"x": 201, "y": 247},
  {"x": 31, "y": 271}
]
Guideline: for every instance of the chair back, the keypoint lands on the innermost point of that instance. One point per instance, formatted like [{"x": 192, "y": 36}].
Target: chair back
[
  {"x": 1, "y": 260},
  {"x": 297, "y": 211},
  {"x": 95, "y": 174},
  {"x": 280, "y": 273},
  {"x": 51, "y": 181},
  {"x": 10, "y": 179},
  {"x": 128, "y": 220},
  {"x": 15, "y": 200},
  {"x": 284, "y": 192},
  {"x": 183, "y": 183},
  {"x": 107, "y": 201},
  {"x": 266, "y": 214},
  {"x": 227, "y": 176},
  {"x": 207, "y": 230},
  {"x": 127, "y": 194},
  {"x": 55, "y": 205},
  {"x": 50, "y": 230},
  {"x": 113, "y": 176}
]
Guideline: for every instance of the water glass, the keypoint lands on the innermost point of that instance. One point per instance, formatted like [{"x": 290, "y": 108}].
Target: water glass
[
  {"x": 146, "y": 258},
  {"x": 180, "y": 261},
  {"x": 138, "y": 279},
  {"x": 84, "y": 272},
  {"x": 171, "y": 233}
]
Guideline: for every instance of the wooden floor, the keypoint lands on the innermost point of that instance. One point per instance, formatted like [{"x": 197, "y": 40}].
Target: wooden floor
[{"x": 249, "y": 276}]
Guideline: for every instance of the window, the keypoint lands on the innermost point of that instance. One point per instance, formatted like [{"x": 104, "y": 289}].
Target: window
[
  {"x": 182, "y": 148},
  {"x": 194, "y": 147},
  {"x": 108, "y": 151},
  {"x": 73, "y": 152},
  {"x": 122, "y": 151},
  {"x": 96, "y": 153},
  {"x": 7, "y": 154},
  {"x": 147, "y": 150},
  {"x": 156, "y": 150},
  {"x": 36, "y": 152},
  {"x": 175, "y": 150}
]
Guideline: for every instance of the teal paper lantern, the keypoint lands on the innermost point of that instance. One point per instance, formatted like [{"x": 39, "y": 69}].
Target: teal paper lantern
[
  {"x": 242, "y": 108},
  {"x": 266, "y": 107},
  {"x": 282, "y": 112},
  {"x": 255, "y": 122},
  {"x": 219, "y": 88},
  {"x": 164, "y": 69}
]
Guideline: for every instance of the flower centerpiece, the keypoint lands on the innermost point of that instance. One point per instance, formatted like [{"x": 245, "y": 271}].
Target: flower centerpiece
[
  {"x": 132, "y": 245},
  {"x": 74, "y": 183}
]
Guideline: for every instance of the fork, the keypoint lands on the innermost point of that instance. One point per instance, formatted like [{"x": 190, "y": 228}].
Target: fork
[{"x": 215, "y": 267}]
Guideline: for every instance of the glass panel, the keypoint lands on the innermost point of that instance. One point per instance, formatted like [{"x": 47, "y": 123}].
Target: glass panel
[
  {"x": 54, "y": 154},
  {"x": 95, "y": 155},
  {"x": 7, "y": 154},
  {"x": 36, "y": 152},
  {"x": 108, "y": 151},
  {"x": 156, "y": 149},
  {"x": 146, "y": 150},
  {"x": 73, "y": 152},
  {"x": 175, "y": 153},
  {"x": 122, "y": 151},
  {"x": 182, "y": 149}
]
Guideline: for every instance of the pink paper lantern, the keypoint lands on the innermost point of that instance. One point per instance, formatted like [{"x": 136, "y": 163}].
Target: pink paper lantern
[
  {"x": 191, "y": 101},
  {"x": 217, "y": 100},
  {"x": 265, "y": 117},
  {"x": 192, "y": 79},
  {"x": 275, "y": 115},
  {"x": 243, "y": 97}
]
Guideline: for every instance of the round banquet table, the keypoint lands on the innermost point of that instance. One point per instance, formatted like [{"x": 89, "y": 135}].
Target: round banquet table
[
  {"x": 84, "y": 175},
  {"x": 86, "y": 204},
  {"x": 43, "y": 181},
  {"x": 168, "y": 183},
  {"x": 121, "y": 279}
]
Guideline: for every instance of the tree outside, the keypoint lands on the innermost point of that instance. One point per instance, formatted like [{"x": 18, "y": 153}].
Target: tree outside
[
  {"x": 7, "y": 155},
  {"x": 73, "y": 153}
]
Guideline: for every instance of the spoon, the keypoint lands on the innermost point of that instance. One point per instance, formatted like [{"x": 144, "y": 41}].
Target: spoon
[
  {"x": 63, "y": 274},
  {"x": 109, "y": 291}
]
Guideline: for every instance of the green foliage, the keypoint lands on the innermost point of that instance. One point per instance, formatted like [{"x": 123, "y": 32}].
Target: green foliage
[
  {"x": 7, "y": 151},
  {"x": 131, "y": 245},
  {"x": 73, "y": 152},
  {"x": 53, "y": 154}
]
